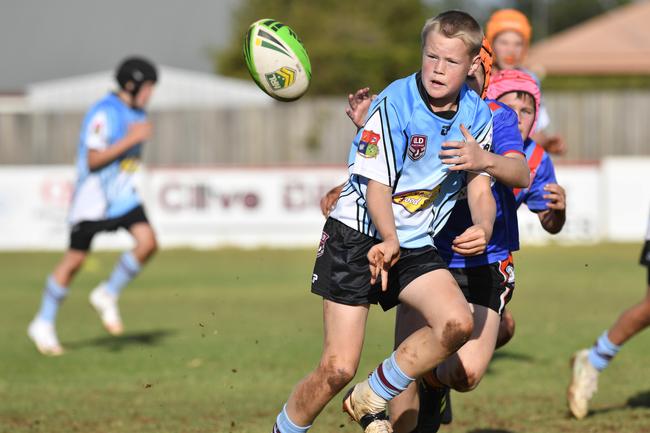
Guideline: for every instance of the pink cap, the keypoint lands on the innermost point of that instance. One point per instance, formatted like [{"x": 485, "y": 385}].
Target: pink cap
[{"x": 514, "y": 80}]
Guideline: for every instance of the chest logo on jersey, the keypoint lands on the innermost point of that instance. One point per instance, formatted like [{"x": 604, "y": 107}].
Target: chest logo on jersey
[
  {"x": 368, "y": 147},
  {"x": 417, "y": 146},
  {"x": 415, "y": 201}
]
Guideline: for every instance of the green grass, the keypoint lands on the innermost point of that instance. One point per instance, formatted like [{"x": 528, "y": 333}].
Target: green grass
[{"x": 216, "y": 340}]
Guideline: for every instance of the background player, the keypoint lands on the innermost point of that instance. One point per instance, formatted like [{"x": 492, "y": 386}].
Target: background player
[
  {"x": 588, "y": 363},
  {"x": 509, "y": 32},
  {"x": 394, "y": 199},
  {"x": 105, "y": 199}
]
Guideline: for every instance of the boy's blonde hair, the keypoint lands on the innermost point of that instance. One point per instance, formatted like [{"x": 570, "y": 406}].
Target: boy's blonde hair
[{"x": 456, "y": 24}]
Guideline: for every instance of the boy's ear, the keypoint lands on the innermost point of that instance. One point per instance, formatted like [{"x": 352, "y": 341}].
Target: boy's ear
[{"x": 476, "y": 62}]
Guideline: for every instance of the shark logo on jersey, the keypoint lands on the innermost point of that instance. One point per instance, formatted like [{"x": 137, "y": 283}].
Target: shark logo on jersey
[
  {"x": 417, "y": 146},
  {"x": 445, "y": 129},
  {"x": 414, "y": 201},
  {"x": 321, "y": 247},
  {"x": 368, "y": 144}
]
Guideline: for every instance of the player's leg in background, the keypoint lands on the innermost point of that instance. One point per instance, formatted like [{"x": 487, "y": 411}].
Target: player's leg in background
[
  {"x": 344, "y": 330},
  {"x": 588, "y": 363},
  {"x": 105, "y": 296},
  {"x": 42, "y": 329},
  {"x": 463, "y": 370},
  {"x": 506, "y": 328}
]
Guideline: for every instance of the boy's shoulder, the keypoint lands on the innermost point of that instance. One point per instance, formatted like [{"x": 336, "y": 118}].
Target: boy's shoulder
[
  {"x": 400, "y": 93},
  {"x": 473, "y": 109}
]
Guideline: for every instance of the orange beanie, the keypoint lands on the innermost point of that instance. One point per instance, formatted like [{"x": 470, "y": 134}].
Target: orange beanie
[{"x": 508, "y": 19}]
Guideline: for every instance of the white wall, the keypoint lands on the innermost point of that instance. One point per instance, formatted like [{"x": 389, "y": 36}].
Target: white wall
[{"x": 280, "y": 206}]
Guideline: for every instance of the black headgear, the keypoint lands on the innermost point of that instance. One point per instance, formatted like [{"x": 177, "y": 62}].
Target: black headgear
[{"x": 137, "y": 70}]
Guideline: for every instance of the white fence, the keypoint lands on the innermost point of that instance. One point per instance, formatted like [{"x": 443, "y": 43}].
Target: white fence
[{"x": 248, "y": 207}]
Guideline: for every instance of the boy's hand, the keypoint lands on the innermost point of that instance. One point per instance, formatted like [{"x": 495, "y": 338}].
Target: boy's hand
[
  {"x": 382, "y": 257},
  {"x": 471, "y": 242},
  {"x": 139, "y": 132},
  {"x": 328, "y": 202},
  {"x": 359, "y": 104},
  {"x": 464, "y": 155},
  {"x": 556, "y": 196}
]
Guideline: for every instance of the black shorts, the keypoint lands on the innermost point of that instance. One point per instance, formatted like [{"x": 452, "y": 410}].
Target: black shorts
[
  {"x": 342, "y": 273},
  {"x": 490, "y": 285},
  {"x": 82, "y": 233}
]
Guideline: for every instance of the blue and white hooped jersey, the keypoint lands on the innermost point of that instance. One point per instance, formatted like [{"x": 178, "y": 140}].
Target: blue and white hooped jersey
[
  {"x": 505, "y": 234},
  {"x": 108, "y": 192},
  {"x": 398, "y": 147}
]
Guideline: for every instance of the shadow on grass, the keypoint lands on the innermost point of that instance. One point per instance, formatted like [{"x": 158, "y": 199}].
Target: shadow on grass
[
  {"x": 490, "y": 430},
  {"x": 641, "y": 400},
  {"x": 117, "y": 343},
  {"x": 500, "y": 355}
]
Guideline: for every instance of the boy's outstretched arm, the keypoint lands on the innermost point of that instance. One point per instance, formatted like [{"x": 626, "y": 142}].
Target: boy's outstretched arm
[
  {"x": 511, "y": 169},
  {"x": 554, "y": 217},
  {"x": 474, "y": 240},
  {"x": 385, "y": 254}
]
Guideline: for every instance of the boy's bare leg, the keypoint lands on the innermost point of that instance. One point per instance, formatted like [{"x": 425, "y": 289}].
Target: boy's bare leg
[{"x": 344, "y": 329}]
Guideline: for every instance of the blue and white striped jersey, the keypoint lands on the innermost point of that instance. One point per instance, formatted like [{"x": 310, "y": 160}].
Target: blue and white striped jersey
[
  {"x": 398, "y": 146},
  {"x": 108, "y": 192}
]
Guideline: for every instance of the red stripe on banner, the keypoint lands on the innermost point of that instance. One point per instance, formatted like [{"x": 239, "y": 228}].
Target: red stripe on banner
[{"x": 380, "y": 373}]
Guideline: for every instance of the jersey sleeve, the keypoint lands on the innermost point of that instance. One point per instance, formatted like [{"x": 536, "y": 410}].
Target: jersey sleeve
[
  {"x": 545, "y": 174},
  {"x": 506, "y": 137},
  {"x": 97, "y": 131},
  {"x": 379, "y": 146}
]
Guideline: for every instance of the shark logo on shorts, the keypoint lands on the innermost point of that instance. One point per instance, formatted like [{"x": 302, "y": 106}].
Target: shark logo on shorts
[{"x": 321, "y": 247}]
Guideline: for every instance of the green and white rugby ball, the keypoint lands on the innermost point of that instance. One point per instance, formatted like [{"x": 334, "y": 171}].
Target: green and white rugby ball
[{"x": 277, "y": 60}]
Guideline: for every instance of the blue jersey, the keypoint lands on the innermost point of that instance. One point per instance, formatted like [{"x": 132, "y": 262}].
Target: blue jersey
[
  {"x": 398, "y": 147},
  {"x": 505, "y": 234},
  {"x": 542, "y": 173},
  {"x": 109, "y": 191}
]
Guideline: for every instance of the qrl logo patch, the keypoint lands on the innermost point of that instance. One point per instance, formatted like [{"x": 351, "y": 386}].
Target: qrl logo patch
[
  {"x": 321, "y": 247},
  {"x": 368, "y": 147},
  {"x": 282, "y": 78},
  {"x": 417, "y": 147}
]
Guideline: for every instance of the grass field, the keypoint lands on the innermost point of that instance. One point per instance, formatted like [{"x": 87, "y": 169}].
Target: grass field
[{"x": 216, "y": 340}]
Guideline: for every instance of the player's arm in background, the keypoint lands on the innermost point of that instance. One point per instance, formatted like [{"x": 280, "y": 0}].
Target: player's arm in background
[
  {"x": 482, "y": 207},
  {"x": 506, "y": 163},
  {"x": 546, "y": 198},
  {"x": 100, "y": 151}
]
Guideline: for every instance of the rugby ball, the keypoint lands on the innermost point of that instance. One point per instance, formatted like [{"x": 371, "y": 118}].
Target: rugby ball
[{"x": 277, "y": 60}]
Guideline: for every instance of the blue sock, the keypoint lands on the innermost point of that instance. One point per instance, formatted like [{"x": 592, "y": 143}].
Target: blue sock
[
  {"x": 284, "y": 425},
  {"x": 53, "y": 295},
  {"x": 125, "y": 270},
  {"x": 602, "y": 352},
  {"x": 388, "y": 379}
]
